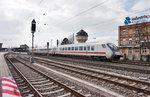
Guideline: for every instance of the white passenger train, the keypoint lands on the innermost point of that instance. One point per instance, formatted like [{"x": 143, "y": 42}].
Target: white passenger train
[{"x": 102, "y": 51}]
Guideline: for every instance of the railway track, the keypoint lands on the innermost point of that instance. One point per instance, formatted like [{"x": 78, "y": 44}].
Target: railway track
[
  {"x": 127, "y": 83},
  {"x": 136, "y": 63},
  {"x": 41, "y": 85},
  {"x": 126, "y": 65}
]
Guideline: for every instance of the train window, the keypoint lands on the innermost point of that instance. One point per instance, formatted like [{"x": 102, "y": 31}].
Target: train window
[
  {"x": 103, "y": 45},
  {"x": 85, "y": 48},
  {"x": 72, "y": 48},
  {"x": 76, "y": 48},
  {"x": 80, "y": 48},
  {"x": 63, "y": 49},
  {"x": 88, "y": 48},
  {"x": 92, "y": 48},
  {"x": 68, "y": 48},
  {"x": 112, "y": 47}
]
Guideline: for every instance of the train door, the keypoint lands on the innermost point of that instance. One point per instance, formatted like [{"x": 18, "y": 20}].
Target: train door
[{"x": 85, "y": 50}]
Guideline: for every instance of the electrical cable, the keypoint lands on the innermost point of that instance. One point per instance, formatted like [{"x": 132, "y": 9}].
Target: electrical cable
[{"x": 95, "y": 6}]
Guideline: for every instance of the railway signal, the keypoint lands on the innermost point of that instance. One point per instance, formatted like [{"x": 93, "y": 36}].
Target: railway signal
[{"x": 33, "y": 30}]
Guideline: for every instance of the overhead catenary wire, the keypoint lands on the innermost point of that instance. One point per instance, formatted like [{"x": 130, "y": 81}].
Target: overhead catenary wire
[
  {"x": 38, "y": 5},
  {"x": 108, "y": 21},
  {"x": 105, "y": 22},
  {"x": 95, "y": 6}
]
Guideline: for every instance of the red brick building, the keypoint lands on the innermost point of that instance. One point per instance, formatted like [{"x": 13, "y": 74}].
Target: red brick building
[{"x": 134, "y": 40}]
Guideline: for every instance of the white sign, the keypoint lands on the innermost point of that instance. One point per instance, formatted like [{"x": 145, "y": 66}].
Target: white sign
[{"x": 140, "y": 19}]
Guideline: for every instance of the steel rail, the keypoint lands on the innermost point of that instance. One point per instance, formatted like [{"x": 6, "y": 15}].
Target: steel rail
[
  {"x": 74, "y": 92},
  {"x": 26, "y": 80},
  {"x": 101, "y": 78}
]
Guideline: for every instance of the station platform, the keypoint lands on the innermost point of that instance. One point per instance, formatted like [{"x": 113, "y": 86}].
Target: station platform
[
  {"x": 8, "y": 87},
  {"x": 4, "y": 70}
]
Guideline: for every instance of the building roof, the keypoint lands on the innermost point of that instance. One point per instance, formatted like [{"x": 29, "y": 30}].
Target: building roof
[{"x": 82, "y": 33}]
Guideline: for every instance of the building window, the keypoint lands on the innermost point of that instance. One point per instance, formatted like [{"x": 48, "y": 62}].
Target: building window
[
  {"x": 136, "y": 30},
  {"x": 144, "y": 50},
  {"x": 137, "y": 50},
  {"x": 124, "y": 42},
  {"x": 130, "y": 40},
  {"x": 124, "y": 32},
  {"x": 137, "y": 40},
  {"x": 130, "y": 51},
  {"x": 145, "y": 39}
]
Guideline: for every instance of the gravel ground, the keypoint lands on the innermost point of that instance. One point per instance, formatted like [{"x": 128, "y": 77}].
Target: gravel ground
[
  {"x": 129, "y": 93},
  {"x": 116, "y": 88},
  {"x": 141, "y": 76},
  {"x": 82, "y": 89}
]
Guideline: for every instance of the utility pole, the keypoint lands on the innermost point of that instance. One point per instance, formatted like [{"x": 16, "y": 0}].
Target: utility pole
[
  {"x": 73, "y": 38},
  {"x": 33, "y": 29},
  {"x": 47, "y": 48},
  {"x": 51, "y": 42}
]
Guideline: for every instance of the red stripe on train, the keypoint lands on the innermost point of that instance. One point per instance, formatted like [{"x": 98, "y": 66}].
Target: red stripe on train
[{"x": 74, "y": 52}]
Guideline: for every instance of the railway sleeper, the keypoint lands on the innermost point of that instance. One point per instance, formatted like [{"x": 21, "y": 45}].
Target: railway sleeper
[
  {"x": 42, "y": 85},
  {"x": 65, "y": 95},
  {"x": 46, "y": 88},
  {"x": 33, "y": 75},
  {"x": 40, "y": 82},
  {"x": 35, "y": 80},
  {"x": 25, "y": 91},
  {"x": 51, "y": 89},
  {"x": 53, "y": 92},
  {"x": 145, "y": 87}
]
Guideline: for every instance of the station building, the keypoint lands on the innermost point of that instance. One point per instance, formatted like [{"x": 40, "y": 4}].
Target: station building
[{"x": 134, "y": 40}]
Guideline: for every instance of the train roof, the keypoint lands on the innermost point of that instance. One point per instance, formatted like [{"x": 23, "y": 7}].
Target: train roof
[
  {"x": 91, "y": 43},
  {"x": 77, "y": 44}
]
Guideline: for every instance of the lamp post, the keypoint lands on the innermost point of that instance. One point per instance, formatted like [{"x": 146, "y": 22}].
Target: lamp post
[{"x": 33, "y": 29}]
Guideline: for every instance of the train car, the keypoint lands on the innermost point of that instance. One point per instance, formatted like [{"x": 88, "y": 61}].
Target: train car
[{"x": 96, "y": 50}]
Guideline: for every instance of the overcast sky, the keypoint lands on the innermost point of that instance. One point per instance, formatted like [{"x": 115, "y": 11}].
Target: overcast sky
[{"x": 57, "y": 19}]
